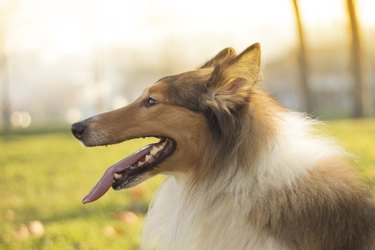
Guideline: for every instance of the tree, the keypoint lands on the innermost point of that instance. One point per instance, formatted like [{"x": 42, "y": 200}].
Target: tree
[
  {"x": 5, "y": 100},
  {"x": 360, "y": 98},
  {"x": 302, "y": 63}
]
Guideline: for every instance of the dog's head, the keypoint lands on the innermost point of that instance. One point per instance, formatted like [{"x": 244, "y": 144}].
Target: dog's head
[{"x": 184, "y": 111}]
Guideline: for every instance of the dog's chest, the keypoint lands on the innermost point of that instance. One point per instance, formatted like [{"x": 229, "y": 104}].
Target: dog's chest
[{"x": 172, "y": 225}]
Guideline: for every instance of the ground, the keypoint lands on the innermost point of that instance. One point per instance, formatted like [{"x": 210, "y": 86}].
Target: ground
[{"x": 45, "y": 175}]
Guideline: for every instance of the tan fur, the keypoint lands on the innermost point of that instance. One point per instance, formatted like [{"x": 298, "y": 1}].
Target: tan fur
[
  {"x": 224, "y": 55},
  {"x": 135, "y": 121},
  {"x": 246, "y": 171},
  {"x": 261, "y": 127},
  {"x": 328, "y": 209}
]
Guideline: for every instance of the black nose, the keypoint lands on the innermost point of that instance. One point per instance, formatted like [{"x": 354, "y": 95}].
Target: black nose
[{"x": 78, "y": 129}]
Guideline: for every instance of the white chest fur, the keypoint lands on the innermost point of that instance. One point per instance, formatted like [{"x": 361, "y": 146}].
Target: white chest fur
[{"x": 171, "y": 224}]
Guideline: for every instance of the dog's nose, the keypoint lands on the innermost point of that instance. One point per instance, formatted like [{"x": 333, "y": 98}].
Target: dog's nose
[{"x": 78, "y": 129}]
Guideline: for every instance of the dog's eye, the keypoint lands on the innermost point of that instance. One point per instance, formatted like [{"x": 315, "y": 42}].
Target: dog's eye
[{"x": 150, "y": 102}]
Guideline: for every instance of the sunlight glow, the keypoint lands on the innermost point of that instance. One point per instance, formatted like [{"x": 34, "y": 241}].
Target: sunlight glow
[
  {"x": 94, "y": 55},
  {"x": 74, "y": 27},
  {"x": 366, "y": 12},
  {"x": 73, "y": 115},
  {"x": 21, "y": 119},
  {"x": 322, "y": 13}
]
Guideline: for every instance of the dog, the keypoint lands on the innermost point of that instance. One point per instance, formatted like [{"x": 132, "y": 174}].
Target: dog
[{"x": 242, "y": 171}]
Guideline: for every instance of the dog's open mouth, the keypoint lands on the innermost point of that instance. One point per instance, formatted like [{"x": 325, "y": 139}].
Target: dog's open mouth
[{"x": 131, "y": 170}]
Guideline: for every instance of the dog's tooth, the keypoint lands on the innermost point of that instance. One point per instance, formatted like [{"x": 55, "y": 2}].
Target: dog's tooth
[
  {"x": 154, "y": 150},
  {"x": 140, "y": 163},
  {"x": 148, "y": 157},
  {"x": 117, "y": 176}
]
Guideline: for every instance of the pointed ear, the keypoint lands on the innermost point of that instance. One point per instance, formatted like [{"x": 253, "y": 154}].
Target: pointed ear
[
  {"x": 224, "y": 55},
  {"x": 245, "y": 66},
  {"x": 230, "y": 86},
  {"x": 239, "y": 73}
]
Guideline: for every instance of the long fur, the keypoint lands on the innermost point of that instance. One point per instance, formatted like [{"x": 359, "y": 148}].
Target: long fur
[
  {"x": 297, "y": 175},
  {"x": 268, "y": 182},
  {"x": 246, "y": 173}
]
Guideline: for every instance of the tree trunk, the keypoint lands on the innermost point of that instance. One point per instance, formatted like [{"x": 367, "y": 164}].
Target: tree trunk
[
  {"x": 307, "y": 101},
  {"x": 359, "y": 105}
]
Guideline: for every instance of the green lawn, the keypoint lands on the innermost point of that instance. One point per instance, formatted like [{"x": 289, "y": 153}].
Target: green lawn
[{"x": 44, "y": 177}]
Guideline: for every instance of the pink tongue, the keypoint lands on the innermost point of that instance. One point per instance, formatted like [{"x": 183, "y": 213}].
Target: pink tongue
[{"x": 107, "y": 179}]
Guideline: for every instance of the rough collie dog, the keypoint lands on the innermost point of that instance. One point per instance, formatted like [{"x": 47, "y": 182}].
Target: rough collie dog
[{"x": 242, "y": 171}]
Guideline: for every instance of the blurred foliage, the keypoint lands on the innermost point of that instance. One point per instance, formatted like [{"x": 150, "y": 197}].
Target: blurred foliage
[{"x": 44, "y": 177}]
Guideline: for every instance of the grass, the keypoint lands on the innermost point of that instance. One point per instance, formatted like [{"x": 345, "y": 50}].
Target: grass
[
  {"x": 358, "y": 138},
  {"x": 44, "y": 177}
]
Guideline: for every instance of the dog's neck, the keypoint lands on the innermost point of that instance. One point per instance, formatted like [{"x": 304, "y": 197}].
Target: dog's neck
[
  {"x": 189, "y": 208},
  {"x": 287, "y": 155},
  {"x": 240, "y": 149}
]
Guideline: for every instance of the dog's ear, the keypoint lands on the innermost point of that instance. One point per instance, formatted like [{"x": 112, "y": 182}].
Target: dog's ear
[
  {"x": 236, "y": 76},
  {"x": 231, "y": 84},
  {"x": 245, "y": 66},
  {"x": 224, "y": 55}
]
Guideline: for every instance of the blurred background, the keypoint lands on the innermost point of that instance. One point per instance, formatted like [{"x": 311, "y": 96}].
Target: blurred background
[{"x": 64, "y": 60}]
